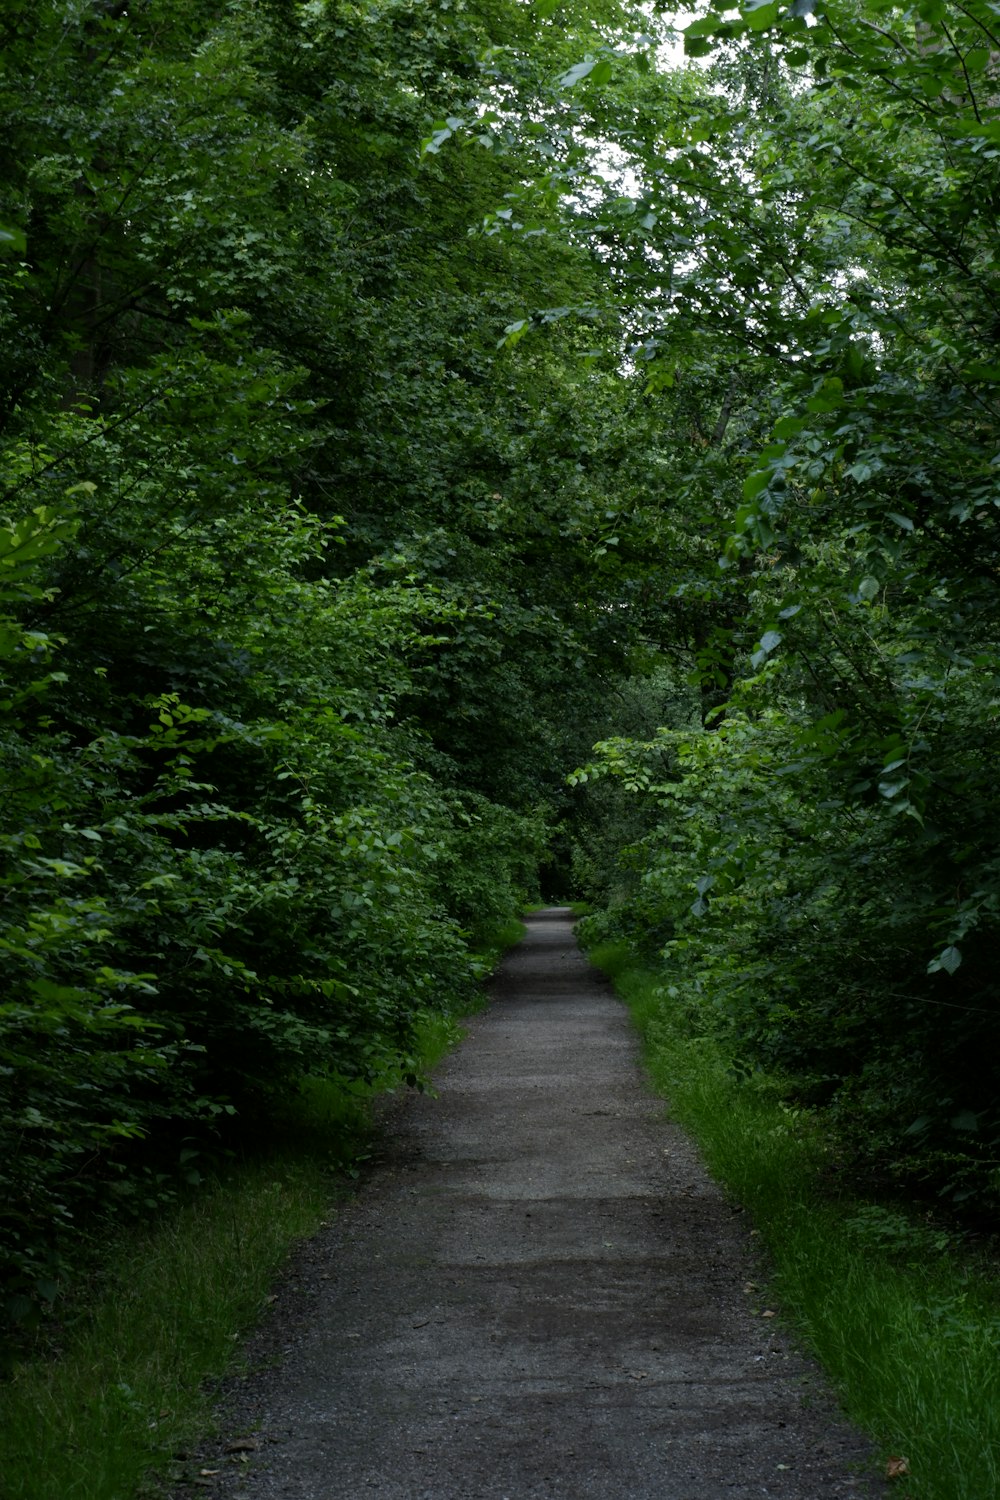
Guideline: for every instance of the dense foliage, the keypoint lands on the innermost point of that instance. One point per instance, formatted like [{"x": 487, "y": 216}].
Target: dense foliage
[
  {"x": 399, "y": 396},
  {"x": 817, "y": 859},
  {"x": 290, "y": 572}
]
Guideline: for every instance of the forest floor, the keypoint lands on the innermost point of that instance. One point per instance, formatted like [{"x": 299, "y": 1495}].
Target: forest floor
[{"x": 538, "y": 1292}]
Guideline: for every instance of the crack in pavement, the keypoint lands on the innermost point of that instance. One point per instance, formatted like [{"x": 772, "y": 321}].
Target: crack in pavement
[{"x": 540, "y": 1293}]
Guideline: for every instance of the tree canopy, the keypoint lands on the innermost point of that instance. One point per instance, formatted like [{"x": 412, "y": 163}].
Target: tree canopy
[{"x": 399, "y": 399}]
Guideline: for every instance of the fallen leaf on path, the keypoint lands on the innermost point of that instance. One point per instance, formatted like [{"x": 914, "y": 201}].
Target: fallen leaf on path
[
  {"x": 897, "y": 1467},
  {"x": 768, "y": 1313}
]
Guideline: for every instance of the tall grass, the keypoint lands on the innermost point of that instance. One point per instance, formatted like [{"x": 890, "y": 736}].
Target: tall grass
[
  {"x": 125, "y": 1382},
  {"x": 902, "y": 1315},
  {"x": 128, "y": 1389}
]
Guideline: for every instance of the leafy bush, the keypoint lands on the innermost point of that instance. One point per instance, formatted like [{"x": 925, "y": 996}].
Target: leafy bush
[
  {"x": 209, "y": 895},
  {"x": 817, "y": 927}
]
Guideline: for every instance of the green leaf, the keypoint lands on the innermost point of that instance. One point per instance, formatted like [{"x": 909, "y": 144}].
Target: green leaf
[
  {"x": 755, "y": 484},
  {"x": 13, "y": 241},
  {"x": 432, "y": 143},
  {"x": 948, "y": 960},
  {"x": 577, "y": 73},
  {"x": 769, "y": 642},
  {"x": 706, "y": 26},
  {"x": 759, "y": 16},
  {"x": 514, "y": 333}
]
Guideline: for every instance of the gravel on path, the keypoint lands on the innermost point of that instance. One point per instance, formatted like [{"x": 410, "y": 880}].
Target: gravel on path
[{"x": 539, "y": 1293}]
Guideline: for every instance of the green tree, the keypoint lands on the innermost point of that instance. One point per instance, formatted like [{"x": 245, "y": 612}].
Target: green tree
[
  {"x": 297, "y": 567},
  {"x": 827, "y": 200}
]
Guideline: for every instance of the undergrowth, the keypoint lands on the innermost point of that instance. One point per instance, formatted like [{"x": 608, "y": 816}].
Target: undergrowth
[
  {"x": 902, "y": 1313},
  {"x": 123, "y": 1380}
]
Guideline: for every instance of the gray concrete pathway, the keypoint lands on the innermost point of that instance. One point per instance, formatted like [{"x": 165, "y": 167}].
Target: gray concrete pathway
[{"x": 540, "y": 1294}]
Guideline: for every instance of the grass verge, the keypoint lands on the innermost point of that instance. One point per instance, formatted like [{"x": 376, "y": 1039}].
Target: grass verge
[
  {"x": 492, "y": 943},
  {"x": 903, "y": 1316},
  {"x": 127, "y": 1379}
]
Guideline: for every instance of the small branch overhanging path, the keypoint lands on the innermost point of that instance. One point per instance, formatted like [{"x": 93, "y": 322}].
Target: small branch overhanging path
[{"x": 540, "y": 1293}]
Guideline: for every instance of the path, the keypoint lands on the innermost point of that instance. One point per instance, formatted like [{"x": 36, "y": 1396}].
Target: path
[{"x": 540, "y": 1295}]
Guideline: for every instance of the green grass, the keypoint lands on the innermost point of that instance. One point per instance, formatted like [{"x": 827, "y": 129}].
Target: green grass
[
  {"x": 493, "y": 942},
  {"x": 125, "y": 1382},
  {"x": 125, "y": 1388},
  {"x": 904, "y": 1318}
]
